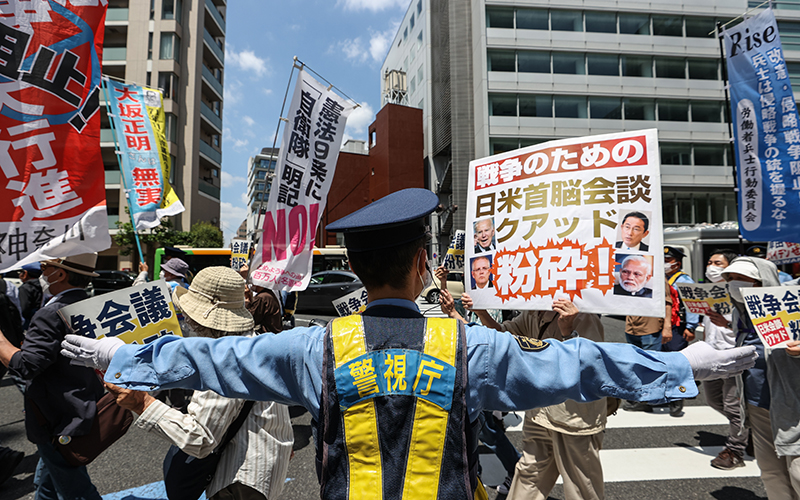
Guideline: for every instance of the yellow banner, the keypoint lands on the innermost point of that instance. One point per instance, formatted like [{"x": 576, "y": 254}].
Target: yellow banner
[{"x": 170, "y": 204}]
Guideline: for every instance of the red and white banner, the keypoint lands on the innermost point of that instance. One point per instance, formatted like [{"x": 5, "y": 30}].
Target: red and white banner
[
  {"x": 299, "y": 192},
  {"x": 52, "y": 183}
]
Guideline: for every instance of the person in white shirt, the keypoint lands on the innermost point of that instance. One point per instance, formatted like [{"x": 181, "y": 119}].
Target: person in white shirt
[{"x": 254, "y": 464}]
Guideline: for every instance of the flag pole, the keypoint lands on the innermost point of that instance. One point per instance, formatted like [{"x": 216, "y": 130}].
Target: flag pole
[{"x": 121, "y": 173}]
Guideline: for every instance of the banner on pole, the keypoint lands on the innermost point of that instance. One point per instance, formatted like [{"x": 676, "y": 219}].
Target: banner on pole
[
  {"x": 136, "y": 315},
  {"x": 766, "y": 131},
  {"x": 139, "y": 124},
  {"x": 775, "y": 313},
  {"x": 454, "y": 259},
  {"x": 52, "y": 191},
  {"x": 299, "y": 192},
  {"x": 577, "y": 218},
  {"x": 700, "y": 298}
]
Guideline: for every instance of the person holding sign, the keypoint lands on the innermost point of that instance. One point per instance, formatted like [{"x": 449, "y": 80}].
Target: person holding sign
[
  {"x": 395, "y": 396},
  {"x": 768, "y": 395}
]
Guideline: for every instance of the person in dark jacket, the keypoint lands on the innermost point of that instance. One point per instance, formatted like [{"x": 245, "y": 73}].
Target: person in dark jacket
[
  {"x": 60, "y": 398},
  {"x": 30, "y": 293}
]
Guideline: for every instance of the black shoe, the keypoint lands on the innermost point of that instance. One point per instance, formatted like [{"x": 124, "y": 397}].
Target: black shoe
[
  {"x": 637, "y": 406},
  {"x": 676, "y": 408},
  {"x": 9, "y": 460}
]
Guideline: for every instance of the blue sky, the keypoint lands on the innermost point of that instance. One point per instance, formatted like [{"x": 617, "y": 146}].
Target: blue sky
[{"x": 343, "y": 40}]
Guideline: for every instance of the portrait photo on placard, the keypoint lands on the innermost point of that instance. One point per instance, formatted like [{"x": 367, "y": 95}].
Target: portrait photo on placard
[
  {"x": 633, "y": 231},
  {"x": 634, "y": 275},
  {"x": 483, "y": 230},
  {"x": 481, "y": 272}
]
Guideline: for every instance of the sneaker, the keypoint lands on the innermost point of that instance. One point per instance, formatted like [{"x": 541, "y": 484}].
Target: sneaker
[
  {"x": 637, "y": 406},
  {"x": 676, "y": 408},
  {"x": 9, "y": 460},
  {"x": 727, "y": 460},
  {"x": 502, "y": 489}
]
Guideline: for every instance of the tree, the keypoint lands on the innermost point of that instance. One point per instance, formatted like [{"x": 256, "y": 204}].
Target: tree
[
  {"x": 161, "y": 236},
  {"x": 205, "y": 235}
]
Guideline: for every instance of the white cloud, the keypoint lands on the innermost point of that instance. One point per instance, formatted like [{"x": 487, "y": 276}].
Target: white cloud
[
  {"x": 229, "y": 180},
  {"x": 232, "y": 92},
  {"x": 359, "y": 120},
  {"x": 245, "y": 200},
  {"x": 247, "y": 60},
  {"x": 372, "y": 5},
  {"x": 249, "y": 121},
  {"x": 230, "y": 218},
  {"x": 379, "y": 44},
  {"x": 267, "y": 91},
  {"x": 374, "y": 50}
]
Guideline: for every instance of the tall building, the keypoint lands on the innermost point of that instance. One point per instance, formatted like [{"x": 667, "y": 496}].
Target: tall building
[
  {"x": 494, "y": 76},
  {"x": 178, "y": 47},
  {"x": 260, "y": 172}
]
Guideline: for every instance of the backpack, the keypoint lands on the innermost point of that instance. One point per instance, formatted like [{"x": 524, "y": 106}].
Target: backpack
[
  {"x": 10, "y": 320},
  {"x": 678, "y": 313}
]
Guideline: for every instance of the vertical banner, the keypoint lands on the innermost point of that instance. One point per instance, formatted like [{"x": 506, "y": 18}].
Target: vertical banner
[
  {"x": 52, "y": 184},
  {"x": 574, "y": 218},
  {"x": 454, "y": 260},
  {"x": 303, "y": 177},
  {"x": 775, "y": 313},
  {"x": 765, "y": 124},
  {"x": 139, "y": 125}
]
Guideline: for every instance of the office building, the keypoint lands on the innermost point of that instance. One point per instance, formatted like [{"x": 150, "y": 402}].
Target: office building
[
  {"x": 495, "y": 76},
  {"x": 178, "y": 47},
  {"x": 260, "y": 172}
]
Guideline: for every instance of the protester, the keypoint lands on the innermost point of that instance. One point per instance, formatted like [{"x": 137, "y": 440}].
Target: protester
[
  {"x": 412, "y": 427},
  {"x": 60, "y": 397},
  {"x": 289, "y": 301},
  {"x": 634, "y": 275},
  {"x": 265, "y": 308},
  {"x": 9, "y": 460},
  {"x": 635, "y": 227},
  {"x": 12, "y": 292},
  {"x": 30, "y": 293},
  {"x": 768, "y": 395},
  {"x": 721, "y": 394},
  {"x": 254, "y": 464}
]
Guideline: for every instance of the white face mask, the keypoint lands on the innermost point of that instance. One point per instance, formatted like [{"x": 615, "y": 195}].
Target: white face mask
[
  {"x": 428, "y": 279},
  {"x": 735, "y": 289},
  {"x": 45, "y": 284},
  {"x": 669, "y": 267},
  {"x": 714, "y": 274}
]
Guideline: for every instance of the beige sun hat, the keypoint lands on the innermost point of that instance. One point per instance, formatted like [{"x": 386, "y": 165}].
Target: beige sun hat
[
  {"x": 215, "y": 300},
  {"x": 81, "y": 264}
]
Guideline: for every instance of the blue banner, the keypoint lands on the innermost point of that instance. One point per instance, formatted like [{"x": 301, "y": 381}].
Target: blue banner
[{"x": 766, "y": 132}]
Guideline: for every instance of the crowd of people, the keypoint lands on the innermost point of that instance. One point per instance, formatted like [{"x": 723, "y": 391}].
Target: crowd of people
[{"x": 398, "y": 401}]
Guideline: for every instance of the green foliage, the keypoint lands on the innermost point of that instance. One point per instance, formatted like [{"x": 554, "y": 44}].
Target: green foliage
[
  {"x": 205, "y": 235},
  {"x": 202, "y": 235}
]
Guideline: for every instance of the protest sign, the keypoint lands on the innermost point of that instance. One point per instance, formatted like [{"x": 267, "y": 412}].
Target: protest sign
[
  {"x": 52, "y": 191},
  {"x": 577, "y": 218},
  {"x": 240, "y": 253},
  {"x": 766, "y": 131},
  {"x": 781, "y": 252},
  {"x": 136, "y": 315},
  {"x": 299, "y": 193},
  {"x": 700, "y": 298},
  {"x": 454, "y": 259},
  {"x": 352, "y": 303},
  {"x": 775, "y": 313},
  {"x": 137, "y": 116}
]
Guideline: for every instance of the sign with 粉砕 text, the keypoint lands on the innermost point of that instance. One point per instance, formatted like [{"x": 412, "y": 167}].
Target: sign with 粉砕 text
[
  {"x": 700, "y": 298},
  {"x": 577, "y": 218},
  {"x": 775, "y": 313},
  {"x": 136, "y": 315},
  {"x": 454, "y": 259},
  {"x": 240, "y": 253},
  {"x": 766, "y": 131},
  {"x": 52, "y": 184},
  {"x": 303, "y": 176}
]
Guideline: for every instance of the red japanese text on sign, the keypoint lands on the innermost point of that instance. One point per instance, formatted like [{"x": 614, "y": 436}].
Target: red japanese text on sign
[{"x": 773, "y": 332}]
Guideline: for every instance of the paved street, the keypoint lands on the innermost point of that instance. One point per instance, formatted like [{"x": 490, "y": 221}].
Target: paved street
[{"x": 645, "y": 456}]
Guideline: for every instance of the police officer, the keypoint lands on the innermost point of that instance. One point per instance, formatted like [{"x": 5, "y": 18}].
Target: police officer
[{"x": 396, "y": 397}]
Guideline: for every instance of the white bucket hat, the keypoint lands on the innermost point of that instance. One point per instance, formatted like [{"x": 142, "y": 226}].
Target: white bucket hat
[{"x": 215, "y": 300}]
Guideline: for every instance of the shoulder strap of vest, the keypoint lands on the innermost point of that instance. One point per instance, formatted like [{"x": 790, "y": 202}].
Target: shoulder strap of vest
[{"x": 674, "y": 277}]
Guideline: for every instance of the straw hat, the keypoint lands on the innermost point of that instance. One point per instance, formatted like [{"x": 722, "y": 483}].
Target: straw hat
[
  {"x": 215, "y": 300},
  {"x": 81, "y": 264}
]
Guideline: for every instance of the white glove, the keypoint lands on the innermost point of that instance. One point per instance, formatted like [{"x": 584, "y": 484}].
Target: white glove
[
  {"x": 709, "y": 364},
  {"x": 90, "y": 352}
]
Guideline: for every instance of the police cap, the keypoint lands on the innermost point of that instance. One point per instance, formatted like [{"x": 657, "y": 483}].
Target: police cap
[
  {"x": 757, "y": 251},
  {"x": 673, "y": 252},
  {"x": 393, "y": 220}
]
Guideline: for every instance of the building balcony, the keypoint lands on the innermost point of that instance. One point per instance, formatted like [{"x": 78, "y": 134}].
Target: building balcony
[
  {"x": 209, "y": 189},
  {"x": 211, "y": 117},
  {"x": 216, "y": 15},
  {"x": 106, "y": 137},
  {"x": 115, "y": 15},
  {"x": 214, "y": 47},
  {"x": 212, "y": 82},
  {"x": 113, "y": 177},
  {"x": 112, "y": 222},
  {"x": 211, "y": 154},
  {"x": 115, "y": 54}
]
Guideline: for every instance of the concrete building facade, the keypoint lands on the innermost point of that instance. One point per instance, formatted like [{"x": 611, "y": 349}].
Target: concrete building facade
[
  {"x": 260, "y": 172},
  {"x": 494, "y": 75},
  {"x": 178, "y": 47}
]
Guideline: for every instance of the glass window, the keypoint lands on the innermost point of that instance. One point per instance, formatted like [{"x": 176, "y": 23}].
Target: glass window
[
  {"x": 498, "y": 17},
  {"x": 532, "y": 19},
  {"x": 601, "y": 22},
  {"x": 533, "y": 62},
  {"x": 674, "y": 111},
  {"x": 419, "y": 7},
  {"x": 171, "y": 127},
  {"x": 419, "y": 75},
  {"x": 412, "y": 85},
  {"x": 405, "y": 34},
  {"x": 503, "y": 145},
  {"x": 150, "y": 45},
  {"x": 670, "y": 67},
  {"x": 637, "y": 66},
  {"x": 566, "y": 20},
  {"x": 411, "y": 21},
  {"x": 170, "y": 47},
  {"x": 171, "y": 9},
  {"x": 259, "y": 186},
  {"x": 568, "y": 63},
  {"x": 707, "y": 111},
  {"x": 570, "y": 107},
  {"x": 794, "y": 73},
  {"x": 502, "y": 60},
  {"x": 173, "y": 165},
  {"x": 703, "y": 69},
  {"x": 668, "y": 25},
  {"x": 261, "y": 174},
  {"x": 699, "y": 27},
  {"x": 605, "y": 108},
  {"x": 602, "y": 64},
  {"x": 502, "y": 105},
  {"x": 709, "y": 154},
  {"x": 634, "y": 24},
  {"x": 168, "y": 83},
  {"x": 790, "y": 35},
  {"x": 676, "y": 154},
  {"x": 536, "y": 105},
  {"x": 640, "y": 109}
]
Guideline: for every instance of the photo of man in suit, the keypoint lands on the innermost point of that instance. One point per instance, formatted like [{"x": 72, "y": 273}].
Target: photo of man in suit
[
  {"x": 635, "y": 273},
  {"x": 484, "y": 235},
  {"x": 481, "y": 273},
  {"x": 635, "y": 227}
]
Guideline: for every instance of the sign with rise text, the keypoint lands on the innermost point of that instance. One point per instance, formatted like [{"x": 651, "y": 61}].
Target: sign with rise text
[
  {"x": 775, "y": 313},
  {"x": 303, "y": 176},
  {"x": 52, "y": 184},
  {"x": 575, "y": 218},
  {"x": 766, "y": 131}
]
